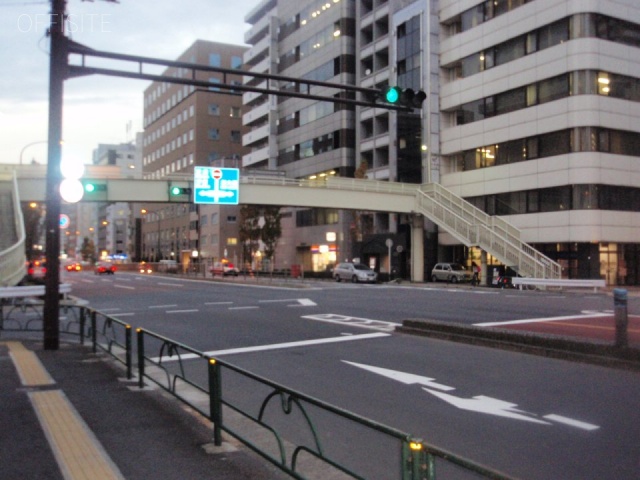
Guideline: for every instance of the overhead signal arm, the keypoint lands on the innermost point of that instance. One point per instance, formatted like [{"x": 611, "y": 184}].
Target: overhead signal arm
[{"x": 370, "y": 97}]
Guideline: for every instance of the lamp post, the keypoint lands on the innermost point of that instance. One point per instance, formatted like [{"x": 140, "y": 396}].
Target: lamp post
[{"x": 30, "y": 145}]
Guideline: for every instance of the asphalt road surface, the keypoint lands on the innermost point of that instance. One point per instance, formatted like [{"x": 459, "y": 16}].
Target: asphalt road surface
[{"x": 528, "y": 416}]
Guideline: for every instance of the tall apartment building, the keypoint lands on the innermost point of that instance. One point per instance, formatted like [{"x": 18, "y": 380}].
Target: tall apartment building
[
  {"x": 532, "y": 115},
  {"x": 540, "y": 124},
  {"x": 185, "y": 126}
]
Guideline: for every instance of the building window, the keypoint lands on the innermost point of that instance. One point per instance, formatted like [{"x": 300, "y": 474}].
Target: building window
[
  {"x": 236, "y": 62},
  {"x": 214, "y": 60},
  {"x": 231, "y": 219},
  {"x": 214, "y": 109},
  {"x": 214, "y": 80},
  {"x": 214, "y": 134},
  {"x": 234, "y": 112},
  {"x": 236, "y": 136}
]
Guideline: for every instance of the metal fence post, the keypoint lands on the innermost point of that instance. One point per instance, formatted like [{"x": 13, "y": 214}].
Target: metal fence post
[
  {"x": 94, "y": 334},
  {"x": 622, "y": 319},
  {"x": 417, "y": 464},
  {"x": 128, "y": 353},
  {"x": 215, "y": 400},
  {"x": 140, "y": 358},
  {"x": 83, "y": 320}
]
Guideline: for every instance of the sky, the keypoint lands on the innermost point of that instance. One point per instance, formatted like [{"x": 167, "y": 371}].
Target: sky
[{"x": 96, "y": 109}]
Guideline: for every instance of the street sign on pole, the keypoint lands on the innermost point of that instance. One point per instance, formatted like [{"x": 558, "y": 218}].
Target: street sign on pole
[{"x": 213, "y": 185}]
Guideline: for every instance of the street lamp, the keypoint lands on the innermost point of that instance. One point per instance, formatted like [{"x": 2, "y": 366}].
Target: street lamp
[{"x": 29, "y": 145}]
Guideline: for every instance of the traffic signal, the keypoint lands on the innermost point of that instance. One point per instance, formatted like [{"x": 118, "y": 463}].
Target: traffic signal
[
  {"x": 405, "y": 97},
  {"x": 92, "y": 187},
  {"x": 175, "y": 191}
]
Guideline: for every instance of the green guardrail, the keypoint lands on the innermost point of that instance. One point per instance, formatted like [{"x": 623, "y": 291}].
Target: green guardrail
[{"x": 302, "y": 435}]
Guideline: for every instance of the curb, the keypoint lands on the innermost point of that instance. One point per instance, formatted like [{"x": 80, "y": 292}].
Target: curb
[{"x": 556, "y": 346}]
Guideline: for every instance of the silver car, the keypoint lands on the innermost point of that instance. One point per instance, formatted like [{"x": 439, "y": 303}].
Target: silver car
[
  {"x": 355, "y": 272},
  {"x": 450, "y": 272}
]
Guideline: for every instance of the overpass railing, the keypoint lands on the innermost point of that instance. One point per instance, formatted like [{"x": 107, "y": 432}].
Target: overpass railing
[{"x": 12, "y": 258}]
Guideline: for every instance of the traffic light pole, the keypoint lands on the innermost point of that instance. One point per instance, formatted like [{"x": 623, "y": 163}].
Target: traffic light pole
[{"x": 57, "y": 74}]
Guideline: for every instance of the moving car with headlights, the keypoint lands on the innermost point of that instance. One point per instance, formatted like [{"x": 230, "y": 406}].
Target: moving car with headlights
[
  {"x": 104, "y": 267},
  {"x": 36, "y": 271},
  {"x": 354, "y": 272},
  {"x": 450, "y": 272},
  {"x": 144, "y": 267},
  {"x": 73, "y": 267}
]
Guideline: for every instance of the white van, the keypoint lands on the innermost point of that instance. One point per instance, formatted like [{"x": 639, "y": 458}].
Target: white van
[{"x": 168, "y": 266}]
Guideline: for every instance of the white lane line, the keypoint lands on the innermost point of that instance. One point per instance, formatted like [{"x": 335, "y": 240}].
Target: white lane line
[
  {"x": 182, "y": 311},
  {"x": 571, "y": 422},
  {"x": 171, "y": 284},
  {"x": 163, "y": 306},
  {"x": 275, "y": 346},
  {"x": 282, "y": 300},
  {"x": 109, "y": 309},
  {"x": 539, "y": 320},
  {"x": 117, "y": 315},
  {"x": 218, "y": 303},
  {"x": 125, "y": 286},
  {"x": 243, "y": 308}
]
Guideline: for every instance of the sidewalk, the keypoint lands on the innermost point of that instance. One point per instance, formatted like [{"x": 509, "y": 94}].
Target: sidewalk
[{"x": 72, "y": 414}]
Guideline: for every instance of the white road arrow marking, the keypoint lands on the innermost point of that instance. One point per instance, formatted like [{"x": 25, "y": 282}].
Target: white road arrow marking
[
  {"x": 406, "y": 378},
  {"x": 491, "y": 406},
  {"x": 479, "y": 403}
]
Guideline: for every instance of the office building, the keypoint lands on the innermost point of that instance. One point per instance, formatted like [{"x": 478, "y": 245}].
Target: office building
[
  {"x": 532, "y": 115},
  {"x": 187, "y": 126}
]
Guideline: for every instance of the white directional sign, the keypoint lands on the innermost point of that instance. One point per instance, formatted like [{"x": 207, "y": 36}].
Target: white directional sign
[{"x": 214, "y": 185}]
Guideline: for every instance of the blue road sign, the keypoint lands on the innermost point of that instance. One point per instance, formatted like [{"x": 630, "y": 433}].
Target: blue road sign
[{"x": 216, "y": 185}]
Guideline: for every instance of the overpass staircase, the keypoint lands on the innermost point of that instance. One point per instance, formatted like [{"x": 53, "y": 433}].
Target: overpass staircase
[{"x": 472, "y": 227}]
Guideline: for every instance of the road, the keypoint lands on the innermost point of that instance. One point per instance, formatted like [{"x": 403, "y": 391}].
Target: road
[{"x": 528, "y": 416}]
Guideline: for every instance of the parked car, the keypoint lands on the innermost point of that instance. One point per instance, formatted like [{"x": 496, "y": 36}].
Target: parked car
[
  {"x": 73, "y": 267},
  {"x": 450, "y": 272},
  {"x": 224, "y": 269},
  {"x": 168, "y": 266},
  {"x": 354, "y": 272},
  {"x": 104, "y": 267}
]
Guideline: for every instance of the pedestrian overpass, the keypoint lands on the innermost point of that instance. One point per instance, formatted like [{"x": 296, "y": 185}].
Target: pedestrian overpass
[{"x": 466, "y": 223}]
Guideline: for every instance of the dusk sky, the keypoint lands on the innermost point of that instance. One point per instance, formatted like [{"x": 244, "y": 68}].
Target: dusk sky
[{"x": 96, "y": 109}]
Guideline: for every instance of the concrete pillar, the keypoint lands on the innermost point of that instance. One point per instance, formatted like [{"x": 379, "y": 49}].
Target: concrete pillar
[
  {"x": 417, "y": 248},
  {"x": 483, "y": 267}
]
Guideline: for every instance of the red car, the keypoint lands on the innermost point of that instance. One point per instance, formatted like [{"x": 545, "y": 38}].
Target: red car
[{"x": 105, "y": 267}]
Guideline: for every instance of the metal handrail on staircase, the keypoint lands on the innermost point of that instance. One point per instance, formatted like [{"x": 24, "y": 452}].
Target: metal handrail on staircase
[{"x": 473, "y": 227}]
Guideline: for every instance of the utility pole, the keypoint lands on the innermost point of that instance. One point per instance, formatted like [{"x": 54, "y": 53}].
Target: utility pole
[{"x": 57, "y": 75}]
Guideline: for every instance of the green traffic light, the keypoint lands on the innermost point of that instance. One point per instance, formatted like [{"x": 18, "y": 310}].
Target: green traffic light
[
  {"x": 392, "y": 95},
  {"x": 176, "y": 190},
  {"x": 89, "y": 187}
]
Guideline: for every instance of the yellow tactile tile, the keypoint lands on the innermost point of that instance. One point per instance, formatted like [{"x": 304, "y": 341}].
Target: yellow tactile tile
[
  {"x": 79, "y": 454},
  {"x": 28, "y": 365}
]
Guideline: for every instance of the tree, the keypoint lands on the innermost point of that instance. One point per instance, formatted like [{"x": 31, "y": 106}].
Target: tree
[
  {"x": 271, "y": 231},
  {"x": 259, "y": 224},
  {"x": 249, "y": 234},
  {"x": 88, "y": 249}
]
